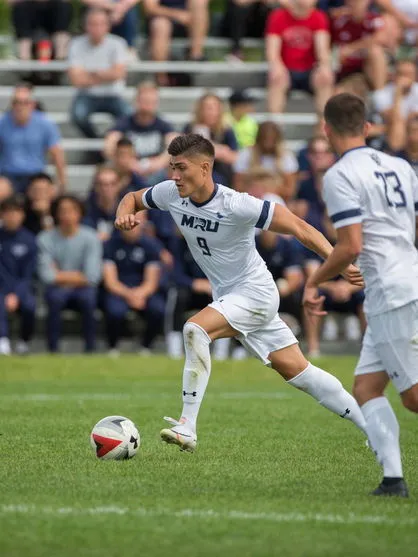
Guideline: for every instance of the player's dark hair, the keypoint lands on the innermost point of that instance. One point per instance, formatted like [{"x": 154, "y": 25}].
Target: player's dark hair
[
  {"x": 191, "y": 144},
  {"x": 346, "y": 114},
  {"x": 72, "y": 199},
  {"x": 124, "y": 142},
  {"x": 12, "y": 203},
  {"x": 41, "y": 176}
]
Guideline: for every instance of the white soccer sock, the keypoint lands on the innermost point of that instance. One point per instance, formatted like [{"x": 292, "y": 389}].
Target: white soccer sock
[
  {"x": 196, "y": 370},
  {"x": 383, "y": 430},
  {"x": 174, "y": 341},
  {"x": 329, "y": 392}
]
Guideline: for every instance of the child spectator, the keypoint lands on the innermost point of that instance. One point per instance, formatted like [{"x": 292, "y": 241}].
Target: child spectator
[
  {"x": 70, "y": 268},
  {"x": 299, "y": 55},
  {"x": 39, "y": 198},
  {"x": 17, "y": 268},
  {"x": 244, "y": 126},
  {"x": 131, "y": 279}
]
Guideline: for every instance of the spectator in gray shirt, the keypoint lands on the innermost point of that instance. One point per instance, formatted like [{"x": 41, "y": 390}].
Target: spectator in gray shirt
[
  {"x": 97, "y": 69},
  {"x": 70, "y": 268}
]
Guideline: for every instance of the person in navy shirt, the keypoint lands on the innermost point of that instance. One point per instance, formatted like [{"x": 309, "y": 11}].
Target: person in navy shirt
[
  {"x": 131, "y": 280},
  {"x": 125, "y": 163},
  {"x": 27, "y": 138},
  {"x": 102, "y": 203},
  {"x": 17, "y": 268},
  {"x": 283, "y": 259}
]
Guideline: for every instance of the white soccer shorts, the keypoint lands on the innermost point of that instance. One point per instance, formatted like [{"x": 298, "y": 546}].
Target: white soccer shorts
[
  {"x": 254, "y": 315},
  {"x": 391, "y": 344}
]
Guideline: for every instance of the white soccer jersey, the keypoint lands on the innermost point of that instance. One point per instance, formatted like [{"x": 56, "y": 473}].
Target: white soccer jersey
[
  {"x": 219, "y": 233},
  {"x": 381, "y": 192}
]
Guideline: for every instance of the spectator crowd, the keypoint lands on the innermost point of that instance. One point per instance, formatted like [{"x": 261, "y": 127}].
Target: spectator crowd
[{"x": 59, "y": 252}]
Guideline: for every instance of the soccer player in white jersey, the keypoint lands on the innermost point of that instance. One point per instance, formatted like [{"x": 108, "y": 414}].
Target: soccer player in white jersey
[
  {"x": 218, "y": 225},
  {"x": 372, "y": 199}
]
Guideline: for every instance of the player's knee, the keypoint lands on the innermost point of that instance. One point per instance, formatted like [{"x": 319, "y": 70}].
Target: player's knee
[
  {"x": 364, "y": 391},
  {"x": 194, "y": 336},
  {"x": 410, "y": 399}
]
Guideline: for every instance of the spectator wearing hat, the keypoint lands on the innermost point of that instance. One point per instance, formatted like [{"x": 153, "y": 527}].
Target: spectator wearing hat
[
  {"x": 27, "y": 138},
  {"x": 70, "y": 269},
  {"x": 17, "y": 268},
  {"x": 244, "y": 126}
]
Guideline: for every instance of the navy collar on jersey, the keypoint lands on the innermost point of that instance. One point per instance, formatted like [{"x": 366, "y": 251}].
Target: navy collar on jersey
[
  {"x": 212, "y": 195},
  {"x": 354, "y": 149}
]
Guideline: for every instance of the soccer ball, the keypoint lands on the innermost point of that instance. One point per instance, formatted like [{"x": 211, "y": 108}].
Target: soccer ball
[{"x": 115, "y": 438}]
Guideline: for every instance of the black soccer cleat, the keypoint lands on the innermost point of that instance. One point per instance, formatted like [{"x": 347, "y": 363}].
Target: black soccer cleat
[{"x": 395, "y": 489}]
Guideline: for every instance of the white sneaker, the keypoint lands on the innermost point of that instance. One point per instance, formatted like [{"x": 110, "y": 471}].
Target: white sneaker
[
  {"x": 22, "y": 348},
  {"x": 330, "y": 330},
  {"x": 179, "y": 435},
  {"x": 5, "y": 349},
  {"x": 352, "y": 328}
]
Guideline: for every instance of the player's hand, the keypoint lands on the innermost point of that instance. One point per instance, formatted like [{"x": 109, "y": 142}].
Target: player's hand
[
  {"x": 127, "y": 222},
  {"x": 312, "y": 301},
  {"x": 353, "y": 276}
]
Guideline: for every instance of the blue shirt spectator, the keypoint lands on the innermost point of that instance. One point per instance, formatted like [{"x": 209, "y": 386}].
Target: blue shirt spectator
[{"x": 27, "y": 137}]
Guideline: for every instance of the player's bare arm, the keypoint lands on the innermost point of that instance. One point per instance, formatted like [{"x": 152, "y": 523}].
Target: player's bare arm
[{"x": 128, "y": 211}]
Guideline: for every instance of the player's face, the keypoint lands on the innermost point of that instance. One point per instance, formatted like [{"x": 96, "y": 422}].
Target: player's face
[
  {"x": 13, "y": 219},
  {"x": 189, "y": 174}
]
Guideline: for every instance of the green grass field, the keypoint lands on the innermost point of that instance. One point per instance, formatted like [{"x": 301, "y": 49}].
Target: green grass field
[{"x": 274, "y": 472}]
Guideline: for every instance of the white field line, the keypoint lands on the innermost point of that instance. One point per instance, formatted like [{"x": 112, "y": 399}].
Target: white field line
[
  {"x": 209, "y": 514},
  {"x": 78, "y": 397}
]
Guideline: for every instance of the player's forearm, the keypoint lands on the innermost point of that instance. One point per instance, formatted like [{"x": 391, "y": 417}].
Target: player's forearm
[
  {"x": 129, "y": 204},
  {"x": 314, "y": 240},
  {"x": 341, "y": 257}
]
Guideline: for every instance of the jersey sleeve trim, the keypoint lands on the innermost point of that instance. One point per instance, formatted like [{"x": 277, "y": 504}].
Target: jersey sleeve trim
[
  {"x": 265, "y": 217},
  {"x": 343, "y": 215},
  {"x": 148, "y": 200}
]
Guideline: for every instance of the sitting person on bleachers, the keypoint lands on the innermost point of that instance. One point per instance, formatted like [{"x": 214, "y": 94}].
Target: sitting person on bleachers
[
  {"x": 402, "y": 139},
  {"x": 39, "y": 199},
  {"x": 17, "y": 269},
  {"x": 283, "y": 259},
  {"x": 70, "y": 269},
  {"x": 125, "y": 164},
  {"x": 131, "y": 278},
  {"x": 269, "y": 152},
  {"x": 27, "y": 138},
  {"x": 6, "y": 188},
  {"x": 299, "y": 55},
  {"x": 244, "y": 19},
  {"x": 244, "y": 125},
  {"x": 209, "y": 121},
  {"x": 149, "y": 134},
  {"x": 167, "y": 18},
  {"x": 123, "y": 16},
  {"x": 32, "y": 19},
  {"x": 97, "y": 69},
  {"x": 101, "y": 205}
]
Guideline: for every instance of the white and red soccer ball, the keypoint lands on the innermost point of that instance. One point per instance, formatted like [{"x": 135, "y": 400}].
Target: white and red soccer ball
[{"x": 115, "y": 438}]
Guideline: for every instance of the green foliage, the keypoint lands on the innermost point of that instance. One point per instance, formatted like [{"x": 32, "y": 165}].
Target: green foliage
[{"x": 274, "y": 474}]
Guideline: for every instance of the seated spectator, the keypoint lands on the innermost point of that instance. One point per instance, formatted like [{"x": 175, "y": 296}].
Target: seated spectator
[
  {"x": 17, "y": 268},
  {"x": 27, "y": 138},
  {"x": 405, "y": 13},
  {"x": 403, "y": 90},
  {"x": 131, "y": 277},
  {"x": 264, "y": 184},
  {"x": 299, "y": 55},
  {"x": 39, "y": 198},
  {"x": 320, "y": 158},
  {"x": 149, "y": 134},
  {"x": 123, "y": 16},
  {"x": 244, "y": 126},
  {"x": 97, "y": 69},
  {"x": 125, "y": 163},
  {"x": 244, "y": 19},
  {"x": 283, "y": 259},
  {"x": 360, "y": 36},
  {"x": 101, "y": 207},
  {"x": 403, "y": 139},
  {"x": 209, "y": 121},
  {"x": 70, "y": 268},
  {"x": 35, "y": 18},
  {"x": 6, "y": 189},
  {"x": 179, "y": 18},
  {"x": 356, "y": 84},
  {"x": 270, "y": 153}
]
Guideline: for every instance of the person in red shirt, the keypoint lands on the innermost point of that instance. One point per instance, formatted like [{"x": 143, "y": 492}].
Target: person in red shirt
[
  {"x": 299, "y": 55},
  {"x": 360, "y": 37}
]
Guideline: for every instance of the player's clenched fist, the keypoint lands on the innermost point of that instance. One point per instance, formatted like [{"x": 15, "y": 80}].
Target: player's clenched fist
[{"x": 127, "y": 222}]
